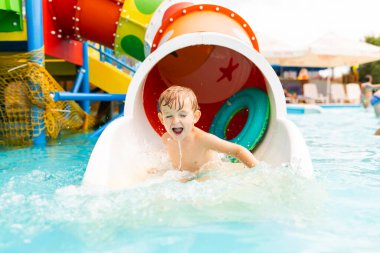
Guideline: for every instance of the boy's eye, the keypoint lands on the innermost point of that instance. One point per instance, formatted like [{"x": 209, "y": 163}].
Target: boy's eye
[
  {"x": 168, "y": 116},
  {"x": 183, "y": 115}
]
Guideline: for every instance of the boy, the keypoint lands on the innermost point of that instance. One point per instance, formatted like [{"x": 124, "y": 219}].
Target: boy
[{"x": 188, "y": 146}]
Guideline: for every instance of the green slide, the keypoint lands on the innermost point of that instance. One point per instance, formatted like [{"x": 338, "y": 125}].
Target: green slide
[{"x": 11, "y": 15}]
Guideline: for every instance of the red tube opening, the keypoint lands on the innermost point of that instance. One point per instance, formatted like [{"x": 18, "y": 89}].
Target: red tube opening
[{"x": 214, "y": 73}]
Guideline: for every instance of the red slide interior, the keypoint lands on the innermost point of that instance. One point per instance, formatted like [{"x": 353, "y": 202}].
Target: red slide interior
[{"x": 214, "y": 73}]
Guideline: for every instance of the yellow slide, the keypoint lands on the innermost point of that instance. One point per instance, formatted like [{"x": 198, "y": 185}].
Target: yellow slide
[{"x": 106, "y": 76}]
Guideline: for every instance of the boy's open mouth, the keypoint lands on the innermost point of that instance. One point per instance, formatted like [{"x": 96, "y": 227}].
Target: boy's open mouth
[{"x": 177, "y": 130}]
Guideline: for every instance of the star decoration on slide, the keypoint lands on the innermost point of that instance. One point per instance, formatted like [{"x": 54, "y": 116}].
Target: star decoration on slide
[{"x": 227, "y": 72}]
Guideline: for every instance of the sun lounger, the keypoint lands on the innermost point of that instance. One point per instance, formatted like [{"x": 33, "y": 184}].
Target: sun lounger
[
  {"x": 337, "y": 92},
  {"x": 353, "y": 93},
  {"x": 311, "y": 95}
]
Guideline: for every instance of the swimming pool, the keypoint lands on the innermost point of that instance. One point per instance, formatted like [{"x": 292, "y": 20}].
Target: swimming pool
[{"x": 44, "y": 209}]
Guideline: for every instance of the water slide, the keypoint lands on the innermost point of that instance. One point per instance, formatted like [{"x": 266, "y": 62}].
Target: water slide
[
  {"x": 204, "y": 46},
  {"x": 62, "y": 21},
  {"x": 58, "y": 37}
]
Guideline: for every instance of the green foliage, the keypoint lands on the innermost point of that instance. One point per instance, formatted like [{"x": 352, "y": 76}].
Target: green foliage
[
  {"x": 372, "y": 68},
  {"x": 373, "y": 40}
]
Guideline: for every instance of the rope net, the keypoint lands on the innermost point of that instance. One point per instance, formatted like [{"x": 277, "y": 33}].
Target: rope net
[{"x": 25, "y": 102}]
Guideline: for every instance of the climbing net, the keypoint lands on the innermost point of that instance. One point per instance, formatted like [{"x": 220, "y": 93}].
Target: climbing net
[{"x": 26, "y": 105}]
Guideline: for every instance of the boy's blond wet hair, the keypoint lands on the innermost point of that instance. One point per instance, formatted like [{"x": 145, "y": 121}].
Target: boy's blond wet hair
[{"x": 175, "y": 96}]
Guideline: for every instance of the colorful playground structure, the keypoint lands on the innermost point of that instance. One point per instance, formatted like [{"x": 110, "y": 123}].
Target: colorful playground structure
[
  {"x": 46, "y": 30},
  {"x": 201, "y": 45}
]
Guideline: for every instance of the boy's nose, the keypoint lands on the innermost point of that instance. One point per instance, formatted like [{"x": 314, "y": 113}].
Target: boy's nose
[{"x": 175, "y": 120}]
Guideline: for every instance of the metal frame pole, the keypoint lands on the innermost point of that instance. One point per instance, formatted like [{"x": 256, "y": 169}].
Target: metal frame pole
[
  {"x": 35, "y": 42},
  {"x": 85, "y": 87}
]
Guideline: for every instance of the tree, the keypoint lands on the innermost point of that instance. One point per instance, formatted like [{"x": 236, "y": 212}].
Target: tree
[{"x": 372, "y": 68}]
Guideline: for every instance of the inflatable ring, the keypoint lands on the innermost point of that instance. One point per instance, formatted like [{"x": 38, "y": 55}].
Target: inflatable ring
[{"x": 257, "y": 103}]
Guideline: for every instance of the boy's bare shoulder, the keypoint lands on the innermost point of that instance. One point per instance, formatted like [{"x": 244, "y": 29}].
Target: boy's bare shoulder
[
  {"x": 199, "y": 133},
  {"x": 204, "y": 136},
  {"x": 211, "y": 141}
]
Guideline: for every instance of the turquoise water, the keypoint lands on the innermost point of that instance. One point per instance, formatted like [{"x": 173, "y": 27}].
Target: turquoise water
[{"x": 43, "y": 208}]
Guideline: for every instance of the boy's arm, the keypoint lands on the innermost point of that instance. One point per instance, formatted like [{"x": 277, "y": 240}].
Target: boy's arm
[{"x": 232, "y": 149}]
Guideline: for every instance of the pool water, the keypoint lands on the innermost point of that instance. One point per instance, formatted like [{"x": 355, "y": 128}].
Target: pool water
[{"x": 43, "y": 207}]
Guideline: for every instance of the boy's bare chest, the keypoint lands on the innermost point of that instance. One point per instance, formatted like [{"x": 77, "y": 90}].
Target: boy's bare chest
[
  {"x": 187, "y": 150},
  {"x": 189, "y": 156}
]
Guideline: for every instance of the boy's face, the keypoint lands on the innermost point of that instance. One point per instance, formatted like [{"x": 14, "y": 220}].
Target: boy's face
[{"x": 179, "y": 122}]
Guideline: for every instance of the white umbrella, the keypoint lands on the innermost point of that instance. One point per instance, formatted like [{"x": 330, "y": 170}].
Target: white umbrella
[{"x": 332, "y": 50}]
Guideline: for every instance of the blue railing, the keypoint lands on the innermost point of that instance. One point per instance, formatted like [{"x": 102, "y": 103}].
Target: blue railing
[
  {"x": 106, "y": 55},
  {"x": 65, "y": 96},
  {"x": 80, "y": 91}
]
